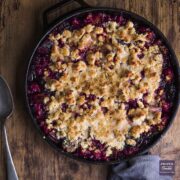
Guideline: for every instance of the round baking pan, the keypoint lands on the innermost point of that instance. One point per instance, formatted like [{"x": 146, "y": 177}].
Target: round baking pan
[{"x": 62, "y": 22}]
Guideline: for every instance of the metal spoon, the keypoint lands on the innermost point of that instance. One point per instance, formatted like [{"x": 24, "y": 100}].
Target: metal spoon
[{"x": 6, "y": 108}]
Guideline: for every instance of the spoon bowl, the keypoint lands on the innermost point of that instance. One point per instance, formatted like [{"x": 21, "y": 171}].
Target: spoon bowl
[{"x": 6, "y": 100}]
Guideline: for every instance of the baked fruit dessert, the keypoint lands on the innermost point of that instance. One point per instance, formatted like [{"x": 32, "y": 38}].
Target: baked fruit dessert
[{"x": 102, "y": 88}]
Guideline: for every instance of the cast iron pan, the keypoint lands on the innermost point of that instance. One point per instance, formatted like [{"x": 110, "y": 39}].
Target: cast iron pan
[{"x": 63, "y": 22}]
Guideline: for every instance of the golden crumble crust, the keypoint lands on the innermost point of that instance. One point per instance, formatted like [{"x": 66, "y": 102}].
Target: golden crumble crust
[{"x": 96, "y": 88}]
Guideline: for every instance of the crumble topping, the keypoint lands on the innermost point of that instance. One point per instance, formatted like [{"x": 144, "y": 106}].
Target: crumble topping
[{"x": 101, "y": 69}]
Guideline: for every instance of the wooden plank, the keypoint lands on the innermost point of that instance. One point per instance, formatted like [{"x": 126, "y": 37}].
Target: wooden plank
[{"x": 20, "y": 29}]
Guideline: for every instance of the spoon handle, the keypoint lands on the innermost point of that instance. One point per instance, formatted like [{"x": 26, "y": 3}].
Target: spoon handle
[{"x": 11, "y": 171}]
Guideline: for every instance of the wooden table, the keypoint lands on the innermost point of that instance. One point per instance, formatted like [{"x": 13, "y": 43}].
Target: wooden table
[{"x": 20, "y": 29}]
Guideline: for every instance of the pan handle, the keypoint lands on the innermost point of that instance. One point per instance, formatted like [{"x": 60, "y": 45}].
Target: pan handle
[{"x": 59, "y": 5}]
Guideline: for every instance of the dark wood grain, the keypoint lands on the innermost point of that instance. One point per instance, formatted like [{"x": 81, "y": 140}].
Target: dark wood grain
[{"x": 20, "y": 29}]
